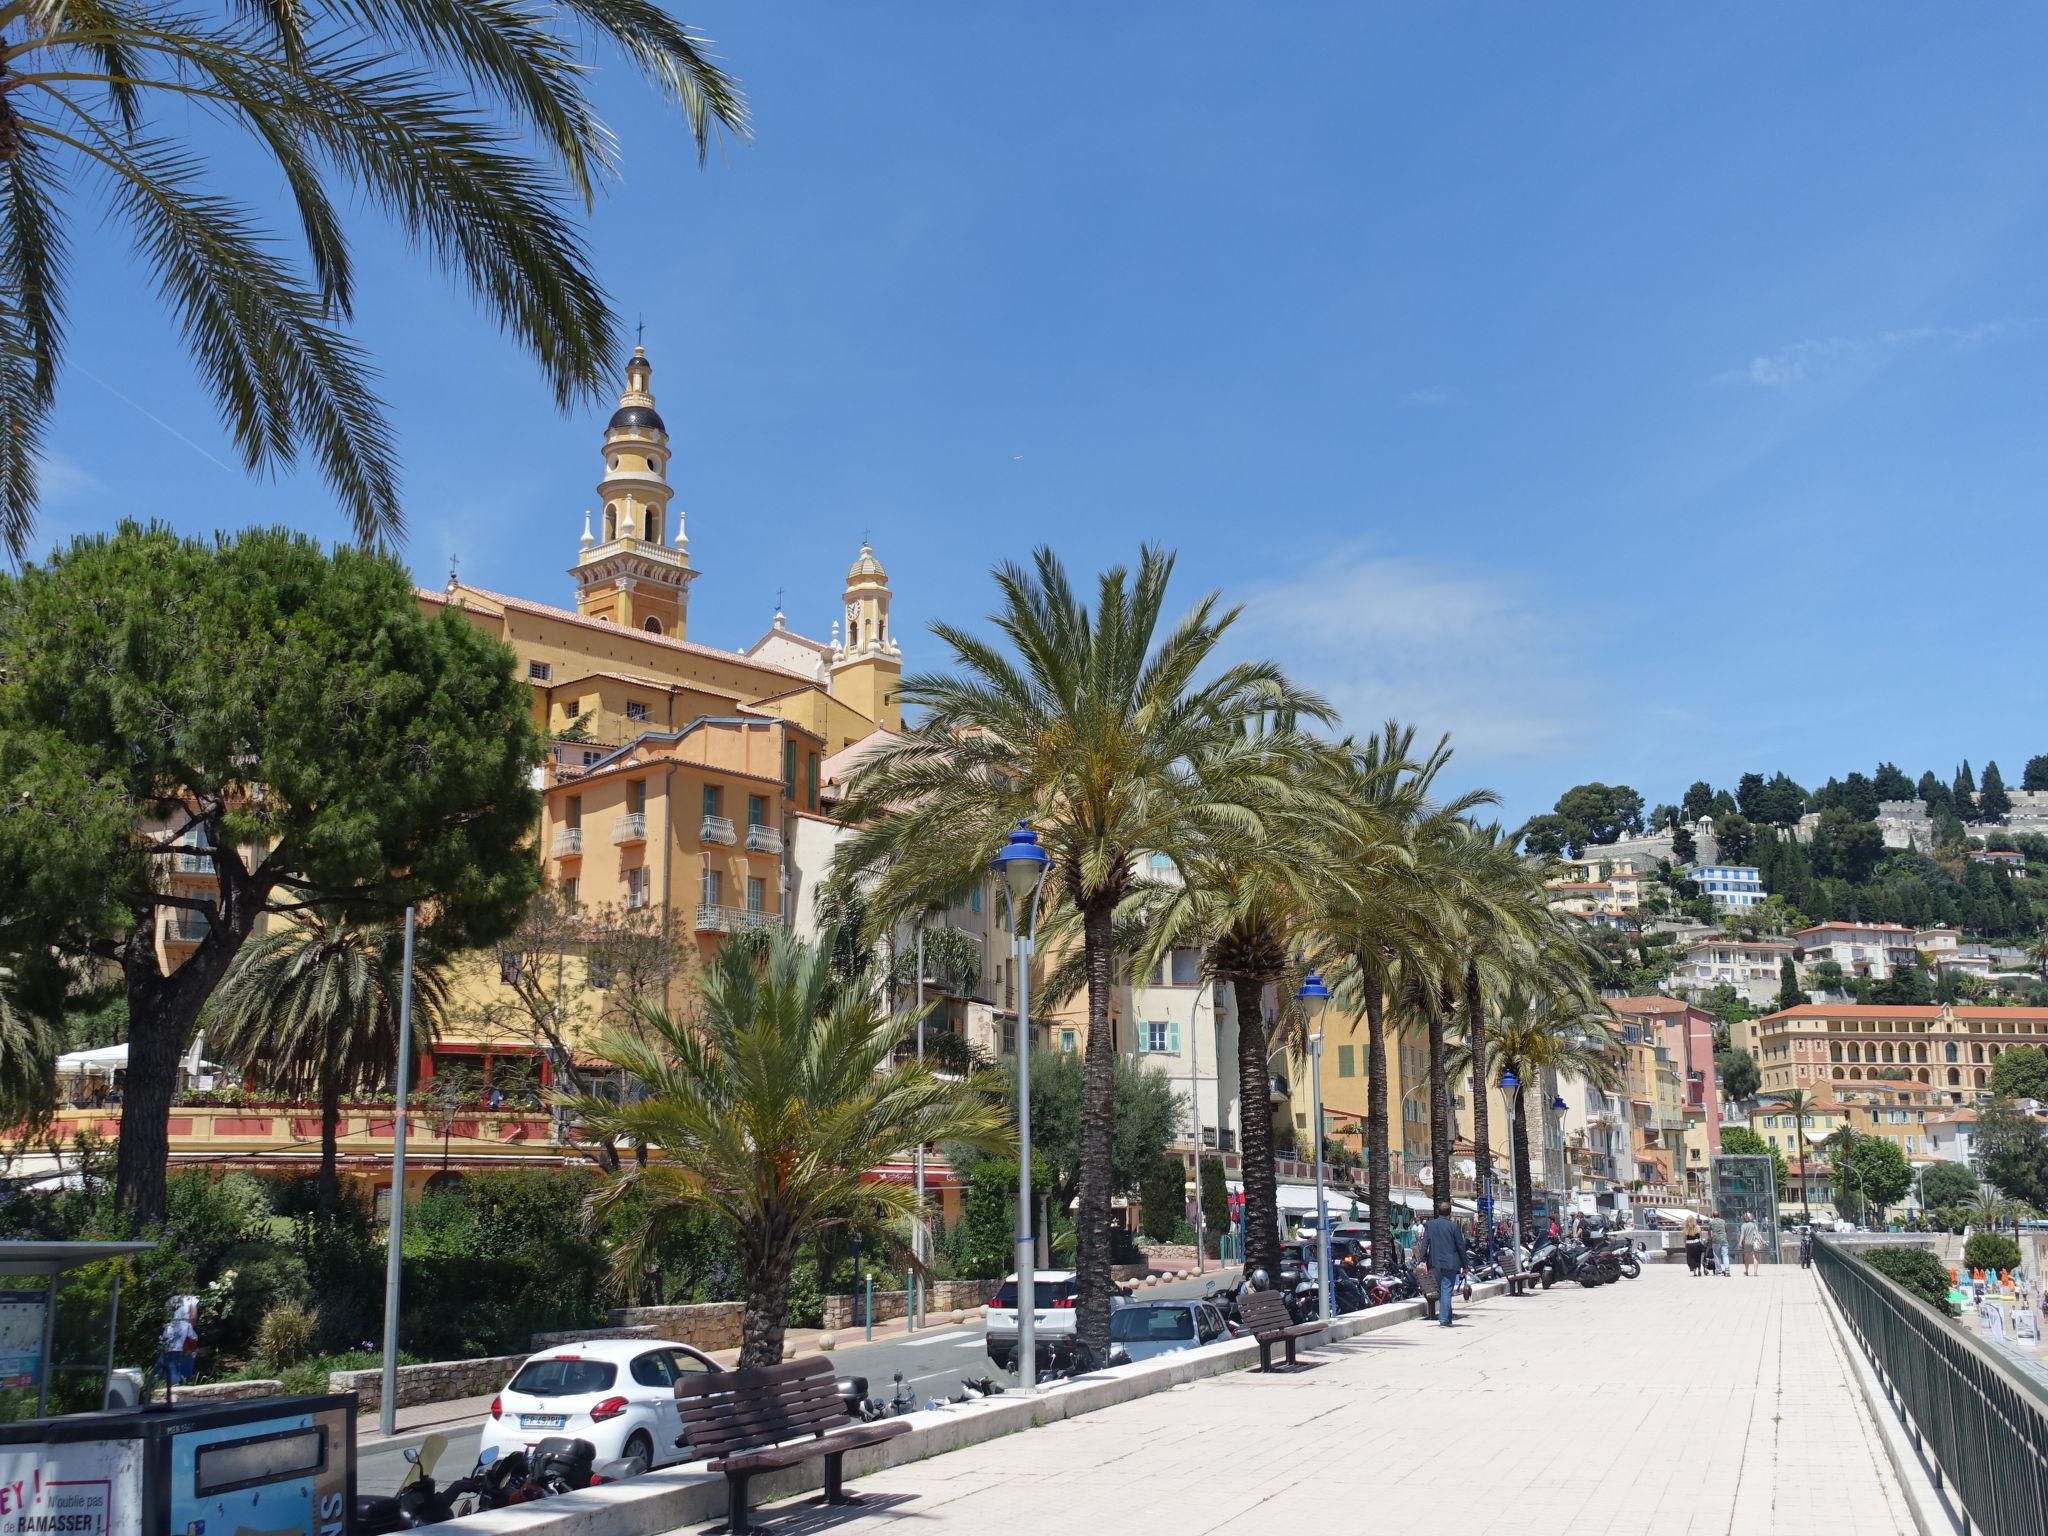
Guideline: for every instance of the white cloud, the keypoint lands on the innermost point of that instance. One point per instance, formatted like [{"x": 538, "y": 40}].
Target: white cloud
[
  {"x": 1442, "y": 648},
  {"x": 1829, "y": 356},
  {"x": 62, "y": 480},
  {"x": 1431, "y": 394}
]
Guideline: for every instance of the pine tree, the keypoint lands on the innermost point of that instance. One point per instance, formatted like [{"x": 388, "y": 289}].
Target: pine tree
[
  {"x": 1993, "y": 803},
  {"x": 1935, "y": 794},
  {"x": 1964, "y": 790},
  {"x": 2036, "y": 775},
  {"x": 1789, "y": 993}
]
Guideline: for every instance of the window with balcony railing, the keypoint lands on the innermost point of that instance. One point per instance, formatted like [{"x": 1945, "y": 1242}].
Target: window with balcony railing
[
  {"x": 630, "y": 827},
  {"x": 762, "y": 838},
  {"x": 716, "y": 829},
  {"x": 568, "y": 842}
]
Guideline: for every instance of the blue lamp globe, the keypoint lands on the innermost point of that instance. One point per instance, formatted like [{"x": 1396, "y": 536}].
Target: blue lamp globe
[
  {"x": 1509, "y": 1082},
  {"x": 1021, "y": 863}
]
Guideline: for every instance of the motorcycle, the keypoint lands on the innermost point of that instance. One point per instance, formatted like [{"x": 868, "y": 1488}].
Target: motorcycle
[{"x": 417, "y": 1501}]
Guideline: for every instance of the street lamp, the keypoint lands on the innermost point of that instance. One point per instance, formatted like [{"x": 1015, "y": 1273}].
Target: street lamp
[
  {"x": 1314, "y": 997},
  {"x": 1022, "y": 865},
  {"x": 1564, "y": 1172},
  {"x": 1510, "y": 1085}
]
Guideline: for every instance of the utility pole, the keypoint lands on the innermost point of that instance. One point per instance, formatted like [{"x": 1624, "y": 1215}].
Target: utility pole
[{"x": 387, "y": 1413}]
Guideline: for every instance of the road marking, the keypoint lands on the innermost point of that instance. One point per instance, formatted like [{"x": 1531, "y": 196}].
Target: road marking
[{"x": 942, "y": 1338}]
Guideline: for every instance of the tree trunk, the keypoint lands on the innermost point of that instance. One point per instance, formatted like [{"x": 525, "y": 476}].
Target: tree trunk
[
  {"x": 1098, "y": 1126},
  {"x": 1255, "y": 1129},
  {"x": 1525, "y": 1204},
  {"x": 1443, "y": 1130},
  {"x": 766, "y": 1316},
  {"x": 1475, "y": 1040},
  {"x": 1378, "y": 1181},
  {"x": 330, "y": 1126}
]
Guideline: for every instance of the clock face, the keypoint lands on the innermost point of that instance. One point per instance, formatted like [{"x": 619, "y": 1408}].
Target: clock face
[{"x": 852, "y": 615}]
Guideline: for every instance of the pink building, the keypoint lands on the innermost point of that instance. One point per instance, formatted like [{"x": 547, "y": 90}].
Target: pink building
[{"x": 1687, "y": 1035}]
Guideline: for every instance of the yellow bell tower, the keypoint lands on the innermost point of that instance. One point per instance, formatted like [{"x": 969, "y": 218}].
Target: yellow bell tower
[
  {"x": 625, "y": 573},
  {"x": 867, "y": 668}
]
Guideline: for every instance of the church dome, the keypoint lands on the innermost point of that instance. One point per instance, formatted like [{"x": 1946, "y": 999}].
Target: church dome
[
  {"x": 866, "y": 565},
  {"x": 636, "y": 418}
]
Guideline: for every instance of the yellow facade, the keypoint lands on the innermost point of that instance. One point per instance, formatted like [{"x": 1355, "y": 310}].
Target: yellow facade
[{"x": 674, "y": 767}]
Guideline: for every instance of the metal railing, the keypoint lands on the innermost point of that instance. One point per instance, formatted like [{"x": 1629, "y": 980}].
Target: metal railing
[
  {"x": 716, "y": 919},
  {"x": 716, "y": 829},
  {"x": 764, "y": 839},
  {"x": 1980, "y": 1425},
  {"x": 568, "y": 842},
  {"x": 186, "y": 927},
  {"x": 630, "y": 828},
  {"x": 193, "y": 863}
]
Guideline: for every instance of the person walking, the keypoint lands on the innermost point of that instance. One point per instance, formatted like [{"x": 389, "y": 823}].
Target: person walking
[
  {"x": 1717, "y": 1230},
  {"x": 1440, "y": 1248},
  {"x": 1695, "y": 1246},
  {"x": 1752, "y": 1241}
]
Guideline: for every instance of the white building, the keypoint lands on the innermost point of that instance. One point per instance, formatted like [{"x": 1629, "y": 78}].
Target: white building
[
  {"x": 1750, "y": 966},
  {"x": 1860, "y": 949},
  {"x": 1731, "y": 886}
]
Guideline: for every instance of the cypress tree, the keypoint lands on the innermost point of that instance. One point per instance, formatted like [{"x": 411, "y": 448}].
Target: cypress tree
[{"x": 1993, "y": 803}]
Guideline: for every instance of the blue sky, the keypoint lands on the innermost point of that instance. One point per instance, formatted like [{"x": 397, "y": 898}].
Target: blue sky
[{"x": 1637, "y": 393}]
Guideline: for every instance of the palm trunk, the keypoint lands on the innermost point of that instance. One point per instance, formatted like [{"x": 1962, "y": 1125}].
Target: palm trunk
[
  {"x": 1442, "y": 1129},
  {"x": 1475, "y": 1041},
  {"x": 1098, "y": 1128},
  {"x": 1378, "y": 1191},
  {"x": 1525, "y": 1201},
  {"x": 329, "y": 1187},
  {"x": 1255, "y": 1129},
  {"x": 765, "y": 1319}
]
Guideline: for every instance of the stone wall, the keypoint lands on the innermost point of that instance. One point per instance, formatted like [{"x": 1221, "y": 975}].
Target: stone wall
[
  {"x": 436, "y": 1383},
  {"x": 945, "y": 1296},
  {"x": 709, "y": 1325},
  {"x": 225, "y": 1391},
  {"x": 542, "y": 1341}
]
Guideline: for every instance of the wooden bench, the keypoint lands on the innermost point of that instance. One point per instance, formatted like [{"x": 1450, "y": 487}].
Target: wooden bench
[
  {"x": 764, "y": 1420},
  {"x": 1520, "y": 1282},
  {"x": 1269, "y": 1321}
]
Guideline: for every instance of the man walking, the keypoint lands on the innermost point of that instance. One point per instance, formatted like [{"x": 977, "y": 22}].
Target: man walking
[
  {"x": 1717, "y": 1227},
  {"x": 1441, "y": 1246}
]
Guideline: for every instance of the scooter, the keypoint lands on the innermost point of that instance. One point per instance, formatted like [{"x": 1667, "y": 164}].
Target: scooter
[{"x": 417, "y": 1501}]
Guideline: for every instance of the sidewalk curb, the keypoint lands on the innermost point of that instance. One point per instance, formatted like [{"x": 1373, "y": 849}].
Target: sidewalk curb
[
  {"x": 1932, "y": 1512},
  {"x": 671, "y": 1499}
]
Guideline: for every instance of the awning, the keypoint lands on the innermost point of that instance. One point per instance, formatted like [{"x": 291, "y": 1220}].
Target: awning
[
  {"x": 101, "y": 1059},
  {"x": 40, "y": 1258}
]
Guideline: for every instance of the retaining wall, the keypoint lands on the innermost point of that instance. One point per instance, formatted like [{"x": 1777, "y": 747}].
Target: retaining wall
[
  {"x": 435, "y": 1383},
  {"x": 709, "y": 1325}
]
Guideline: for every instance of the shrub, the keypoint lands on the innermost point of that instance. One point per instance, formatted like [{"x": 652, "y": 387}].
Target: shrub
[
  {"x": 1917, "y": 1271},
  {"x": 1991, "y": 1250},
  {"x": 1215, "y": 1198},
  {"x": 1123, "y": 1248},
  {"x": 255, "y": 1279},
  {"x": 983, "y": 1235},
  {"x": 285, "y": 1336},
  {"x": 1163, "y": 1194}
]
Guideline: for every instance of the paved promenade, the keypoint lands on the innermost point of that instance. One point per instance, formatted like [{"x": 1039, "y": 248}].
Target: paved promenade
[{"x": 1663, "y": 1405}]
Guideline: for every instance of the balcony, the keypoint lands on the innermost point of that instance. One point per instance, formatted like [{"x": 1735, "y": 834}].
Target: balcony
[
  {"x": 568, "y": 843},
  {"x": 193, "y": 863},
  {"x": 716, "y": 919},
  {"x": 630, "y": 828},
  {"x": 187, "y": 928},
  {"x": 762, "y": 838},
  {"x": 716, "y": 829}
]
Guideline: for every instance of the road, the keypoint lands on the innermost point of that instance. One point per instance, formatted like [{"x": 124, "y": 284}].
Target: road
[{"x": 932, "y": 1364}]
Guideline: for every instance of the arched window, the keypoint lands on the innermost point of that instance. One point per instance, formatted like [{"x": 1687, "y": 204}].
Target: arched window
[
  {"x": 447, "y": 1181},
  {"x": 1855, "y": 1074},
  {"x": 611, "y": 521},
  {"x": 1924, "y": 1077},
  {"x": 1955, "y": 1078},
  {"x": 1978, "y": 1077},
  {"x": 1886, "y": 1050},
  {"x": 1976, "y": 1053},
  {"x": 653, "y": 526},
  {"x": 1948, "y": 1053},
  {"x": 652, "y": 625},
  {"x": 1838, "y": 1074},
  {"x": 1920, "y": 1054}
]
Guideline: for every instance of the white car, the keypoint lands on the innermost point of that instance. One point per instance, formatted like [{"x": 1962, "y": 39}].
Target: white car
[
  {"x": 619, "y": 1394},
  {"x": 1052, "y": 1317}
]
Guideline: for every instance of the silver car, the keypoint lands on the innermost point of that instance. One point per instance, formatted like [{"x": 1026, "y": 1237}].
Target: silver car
[{"x": 1147, "y": 1328}]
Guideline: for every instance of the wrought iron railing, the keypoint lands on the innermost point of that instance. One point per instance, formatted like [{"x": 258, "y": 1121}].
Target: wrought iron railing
[
  {"x": 1981, "y": 1426},
  {"x": 630, "y": 828}
]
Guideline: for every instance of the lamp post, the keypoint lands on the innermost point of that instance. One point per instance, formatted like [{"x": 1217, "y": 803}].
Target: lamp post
[
  {"x": 1510, "y": 1085},
  {"x": 1022, "y": 865},
  {"x": 1314, "y": 997},
  {"x": 1557, "y": 1108}
]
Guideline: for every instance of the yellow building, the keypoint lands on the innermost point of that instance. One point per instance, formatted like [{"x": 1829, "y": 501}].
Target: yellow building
[{"x": 676, "y": 769}]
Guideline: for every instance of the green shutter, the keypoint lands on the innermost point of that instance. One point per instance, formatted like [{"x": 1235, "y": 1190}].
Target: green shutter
[
  {"x": 1345, "y": 1062},
  {"x": 811, "y": 796},
  {"x": 789, "y": 765},
  {"x": 1173, "y": 1038}
]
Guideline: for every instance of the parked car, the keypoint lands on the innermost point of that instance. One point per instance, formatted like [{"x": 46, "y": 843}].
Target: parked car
[
  {"x": 1148, "y": 1328},
  {"x": 619, "y": 1394},
  {"x": 1051, "y": 1317}
]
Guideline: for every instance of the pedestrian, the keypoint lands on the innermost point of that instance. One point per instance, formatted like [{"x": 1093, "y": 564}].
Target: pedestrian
[
  {"x": 1695, "y": 1246},
  {"x": 178, "y": 1344},
  {"x": 1752, "y": 1241},
  {"x": 1440, "y": 1250},
  {"x": 1717, "y": 1229},
  {"x": 1806, "y": 1246}
]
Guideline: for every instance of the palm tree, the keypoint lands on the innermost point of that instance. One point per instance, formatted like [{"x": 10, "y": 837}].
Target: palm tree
[
  {"x": 770, "y": 1108},
  {"x": 1096, "y": 731},
  {"x": 312, "y": 1007},
  {"x": 1560, "y": 1029},
  {"x": 28, "y": 1051},
  {"x": 487, "y": 173},
  {"x": 1799, "y": 1104},
  {"x": 1247, "y": 903}
]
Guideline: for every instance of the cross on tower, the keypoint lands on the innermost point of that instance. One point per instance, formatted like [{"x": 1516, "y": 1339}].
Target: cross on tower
[
  {"x": 778, "y": 599},
  {"x": 640, "y": 333}
]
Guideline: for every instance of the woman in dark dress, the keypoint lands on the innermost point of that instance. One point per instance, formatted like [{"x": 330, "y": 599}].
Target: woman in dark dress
[{"x": 1695, "y": 1245}]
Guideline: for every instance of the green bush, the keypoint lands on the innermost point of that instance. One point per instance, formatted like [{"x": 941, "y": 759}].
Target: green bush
[
  {"x": 1991, "y": 1250},
  {"x": 1123, "y": 1248},
  {"x": 1916, "y": 1270},
  {"x": 285, "y": 1336},
  {"x": 1215, "y": 1199},
  {"x": 1163, "y": 1194},
  {"x": 983, "y": 1235},
  {"x": 254, "y": 1280}
]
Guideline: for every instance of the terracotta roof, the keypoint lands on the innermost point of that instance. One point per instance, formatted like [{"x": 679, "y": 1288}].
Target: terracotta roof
[
  {"x": 564, "y": 615},
  {"x": 1902, "y": 1011},
  {"x": 1648, "y": 1004}
]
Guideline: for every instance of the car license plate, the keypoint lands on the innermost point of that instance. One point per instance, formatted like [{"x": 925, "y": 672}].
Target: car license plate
[{"x": 542, "y": 1420}]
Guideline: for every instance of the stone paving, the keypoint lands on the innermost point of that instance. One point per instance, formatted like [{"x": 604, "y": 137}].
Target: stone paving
[{"x": 1662, "y": 1405}]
